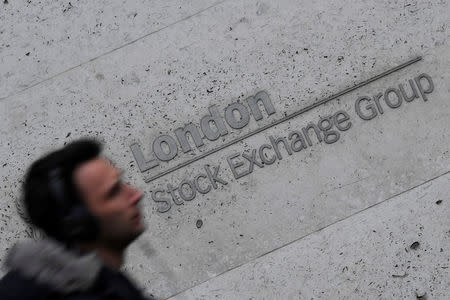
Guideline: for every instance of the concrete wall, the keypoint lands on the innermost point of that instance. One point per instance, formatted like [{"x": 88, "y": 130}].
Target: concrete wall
[{"x": 334, "y": 220}]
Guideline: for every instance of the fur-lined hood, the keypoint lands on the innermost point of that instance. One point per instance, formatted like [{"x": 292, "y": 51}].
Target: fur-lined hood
[{"x": 49, "y": 262}]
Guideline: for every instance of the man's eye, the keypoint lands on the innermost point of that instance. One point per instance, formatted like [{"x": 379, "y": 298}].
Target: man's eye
[{"x": 116, "y": 189}]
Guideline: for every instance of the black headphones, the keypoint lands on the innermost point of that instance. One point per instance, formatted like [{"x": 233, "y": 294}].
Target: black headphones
[{"x": 77, "y": 222}]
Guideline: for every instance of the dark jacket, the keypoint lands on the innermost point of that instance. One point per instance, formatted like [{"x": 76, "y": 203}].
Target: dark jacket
[{"x": 46, "y": 270}]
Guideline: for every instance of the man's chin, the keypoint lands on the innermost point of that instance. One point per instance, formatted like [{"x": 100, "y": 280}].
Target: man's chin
[
  {"x": 124, "y": 243},
  {"x": 142, "y": 227},
  {"x": 140, "y": 230}
]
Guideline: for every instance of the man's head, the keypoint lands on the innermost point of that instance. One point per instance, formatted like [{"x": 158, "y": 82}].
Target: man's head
[
  {"x": 112, "y": 201},
  {"x": 88, "y": 181}
]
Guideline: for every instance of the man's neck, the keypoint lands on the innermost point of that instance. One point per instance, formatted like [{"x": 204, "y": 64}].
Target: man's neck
[{"x": 112, "y": 257}]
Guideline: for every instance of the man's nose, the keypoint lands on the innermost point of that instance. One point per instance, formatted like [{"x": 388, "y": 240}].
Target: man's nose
[{"x": 135, "y": 194}]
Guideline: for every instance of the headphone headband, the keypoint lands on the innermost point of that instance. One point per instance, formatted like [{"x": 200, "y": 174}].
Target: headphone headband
[
  {"x": 76, "y": 221},
  {"x": 57, "y": 187}
]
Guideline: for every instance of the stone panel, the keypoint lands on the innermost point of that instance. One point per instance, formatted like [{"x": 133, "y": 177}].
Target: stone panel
[{"x": 298, "y": 54}]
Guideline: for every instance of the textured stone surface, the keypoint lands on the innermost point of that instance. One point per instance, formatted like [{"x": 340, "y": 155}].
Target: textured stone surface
[
  {"x": 298, "y": 52},
  {"x": 398, "y": 249},
  {"x": 41, "y": 39}
]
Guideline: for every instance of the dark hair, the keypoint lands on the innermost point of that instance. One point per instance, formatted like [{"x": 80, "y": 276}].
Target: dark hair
[{"x": 43, "y": 208}]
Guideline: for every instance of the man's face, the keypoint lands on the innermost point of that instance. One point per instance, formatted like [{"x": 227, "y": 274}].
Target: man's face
[{"x": 113, "y": 202}]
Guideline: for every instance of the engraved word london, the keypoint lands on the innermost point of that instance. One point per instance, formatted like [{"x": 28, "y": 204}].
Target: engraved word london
[{"x": 237, "y": 116}]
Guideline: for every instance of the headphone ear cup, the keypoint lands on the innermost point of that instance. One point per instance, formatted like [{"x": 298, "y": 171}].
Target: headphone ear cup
[{"x": 80, "y": 224}]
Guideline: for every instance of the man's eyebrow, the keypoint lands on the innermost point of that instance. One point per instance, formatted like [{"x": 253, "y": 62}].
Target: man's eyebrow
[
  {"x": 116, "y": 185},
  {"x": 111, "y": 190}
]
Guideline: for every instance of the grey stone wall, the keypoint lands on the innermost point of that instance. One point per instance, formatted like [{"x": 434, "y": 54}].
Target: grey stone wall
[{"x": 359, "y": 215}]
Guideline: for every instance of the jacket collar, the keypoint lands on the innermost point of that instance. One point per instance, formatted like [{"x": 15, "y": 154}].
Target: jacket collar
[{"x": 50, "y": 262}]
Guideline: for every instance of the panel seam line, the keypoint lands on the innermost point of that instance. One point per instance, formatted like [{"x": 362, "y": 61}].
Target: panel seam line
[
  {"x": 111, "y": 51},
  {"x": 313, "y": 232}
]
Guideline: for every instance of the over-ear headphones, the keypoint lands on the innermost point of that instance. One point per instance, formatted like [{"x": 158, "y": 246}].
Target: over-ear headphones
[{"x": 77, "y": 222}]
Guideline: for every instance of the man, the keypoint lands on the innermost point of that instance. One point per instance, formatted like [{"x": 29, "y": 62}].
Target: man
[{"x": 89, "y": 217}]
